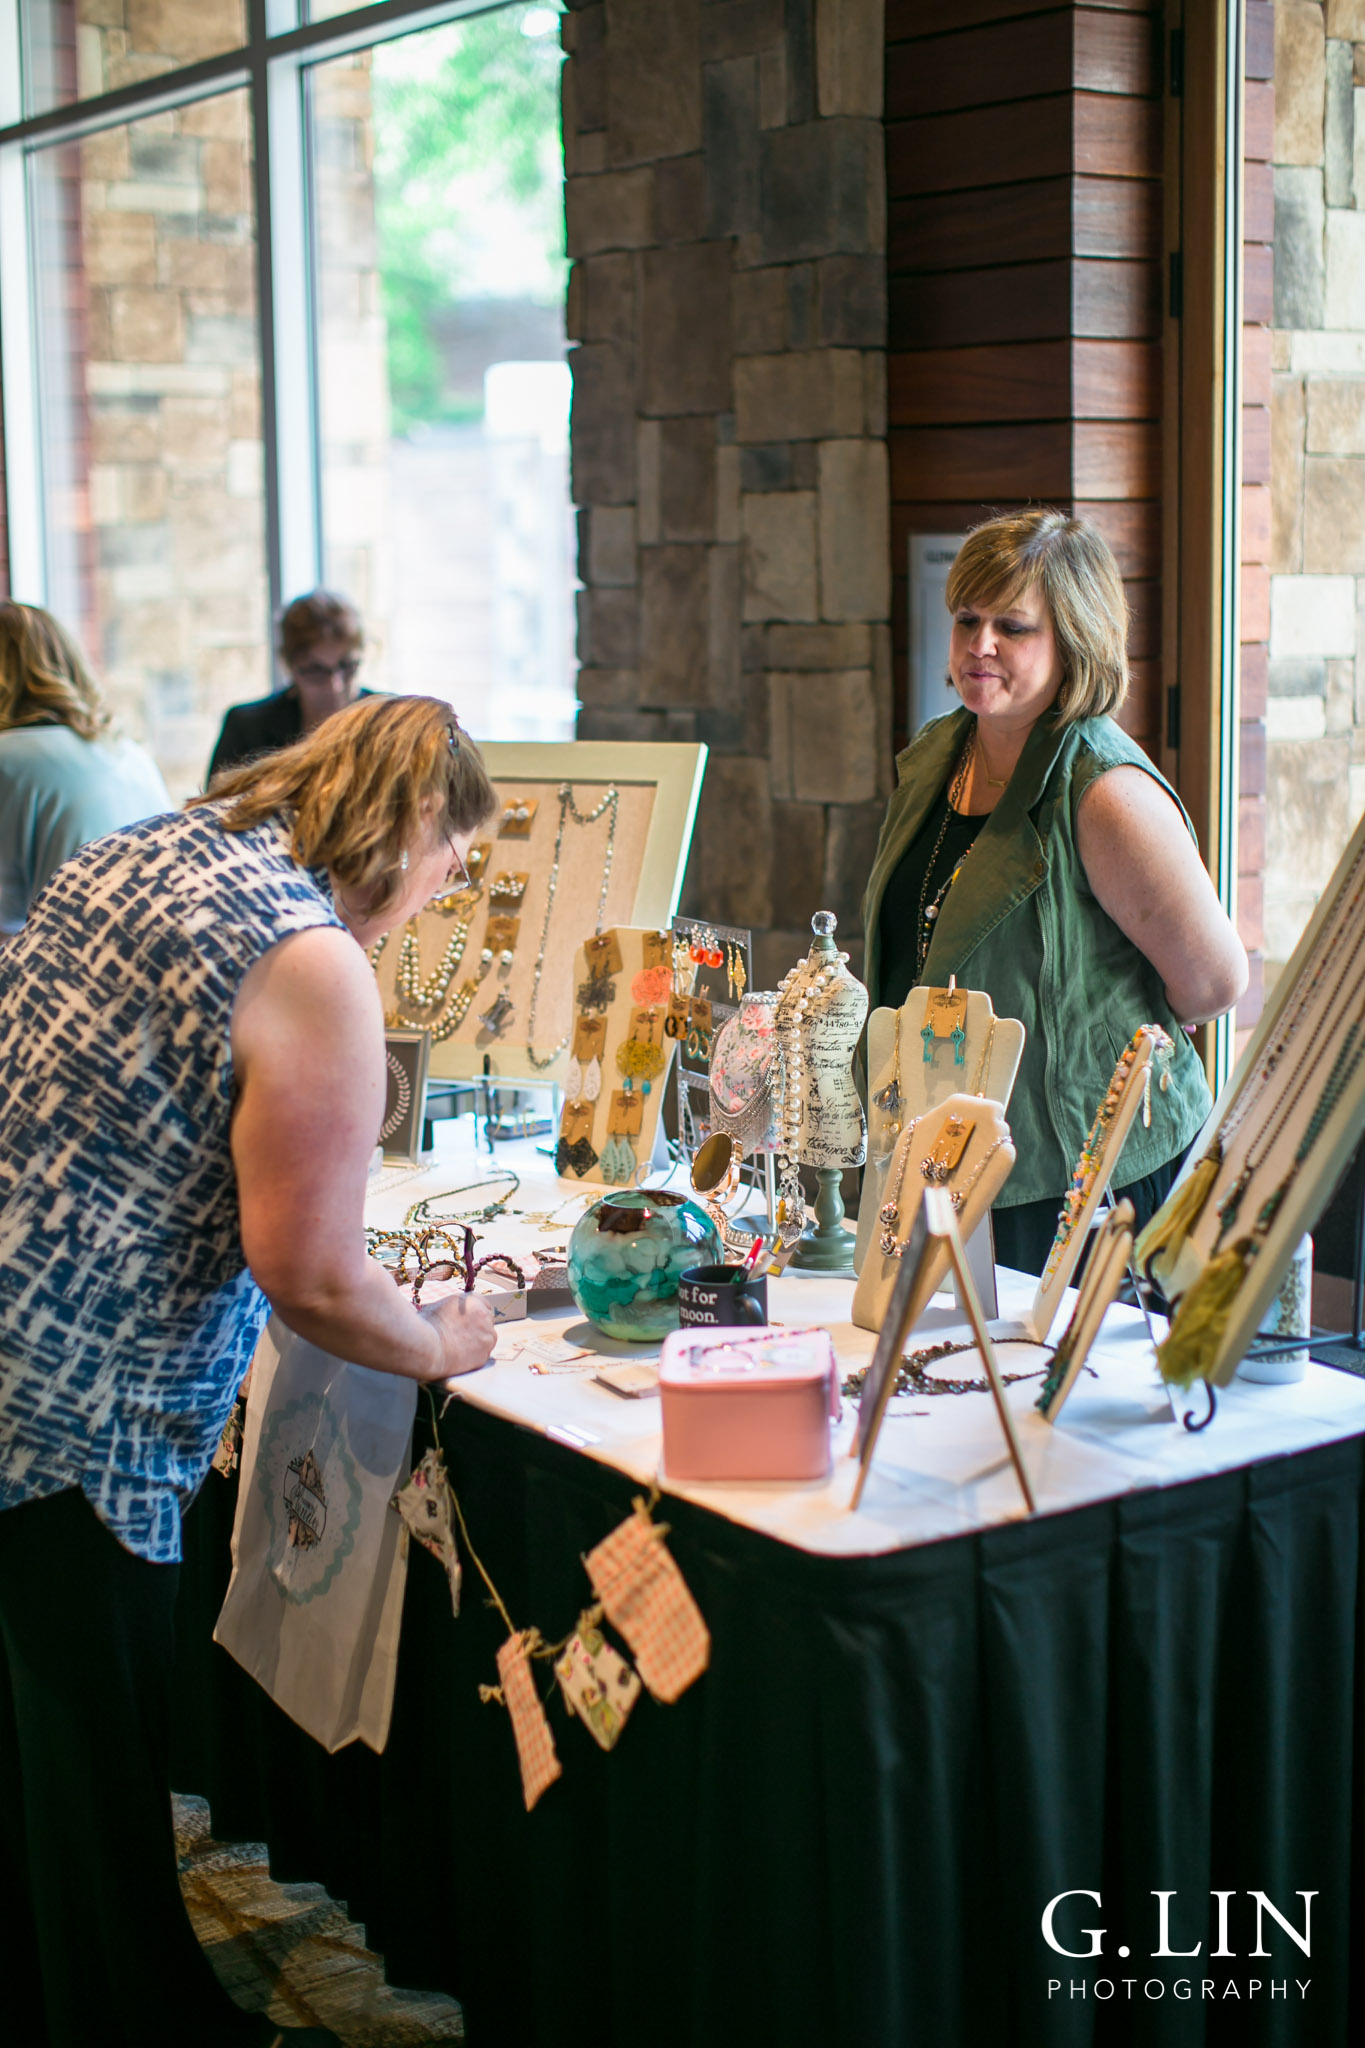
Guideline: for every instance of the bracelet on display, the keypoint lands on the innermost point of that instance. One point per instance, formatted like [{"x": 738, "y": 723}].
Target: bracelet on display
[{"x": 913, "y": 1376}]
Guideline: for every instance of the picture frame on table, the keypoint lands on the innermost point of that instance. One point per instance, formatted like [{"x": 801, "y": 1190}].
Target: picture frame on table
[{"x": 407, "y": 1055}]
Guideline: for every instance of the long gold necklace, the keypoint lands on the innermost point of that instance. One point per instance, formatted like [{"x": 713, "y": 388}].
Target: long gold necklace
[
  {"x": 928, "y": 912},
  {"x": 609, "y": 803}
]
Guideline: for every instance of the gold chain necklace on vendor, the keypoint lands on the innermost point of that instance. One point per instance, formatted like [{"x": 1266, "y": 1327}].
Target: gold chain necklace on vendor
[{"x": 928, "y": 912}]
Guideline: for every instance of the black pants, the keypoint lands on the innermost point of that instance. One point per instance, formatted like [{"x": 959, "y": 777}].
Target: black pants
[
  {"x": 1023, "y": 1236},
  {"x": 95, "y": 1943}
]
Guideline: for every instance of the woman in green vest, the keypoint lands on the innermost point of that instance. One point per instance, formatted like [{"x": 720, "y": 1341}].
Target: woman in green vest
[{"x": 1032, "y": 850}]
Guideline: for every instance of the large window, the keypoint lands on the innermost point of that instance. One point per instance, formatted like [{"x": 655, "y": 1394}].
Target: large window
[{"x": 195, "y": 434}]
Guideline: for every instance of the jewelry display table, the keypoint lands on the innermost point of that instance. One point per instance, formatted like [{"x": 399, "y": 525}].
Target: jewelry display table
[{"x": 920, "y": 1724}]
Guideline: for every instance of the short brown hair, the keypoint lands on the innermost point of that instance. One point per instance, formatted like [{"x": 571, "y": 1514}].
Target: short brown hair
[
  {"x": 43, "y": 676},
  {"x": 353, "y": 790},
  {"x": 319, "y": 615},
  {"x": 1071, "y": 563}
]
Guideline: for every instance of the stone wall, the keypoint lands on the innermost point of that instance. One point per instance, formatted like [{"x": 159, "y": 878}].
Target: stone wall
[
  {"x": 168, "y": 382},
  {"x": 726, "y": 222},
  {"x": 1315, "y": 710}
]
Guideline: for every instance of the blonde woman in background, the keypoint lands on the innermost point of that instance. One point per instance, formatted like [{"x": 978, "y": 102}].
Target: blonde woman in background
[
  {"x": 66, "y": 776},
  {"x": 1033, "y": 850}
]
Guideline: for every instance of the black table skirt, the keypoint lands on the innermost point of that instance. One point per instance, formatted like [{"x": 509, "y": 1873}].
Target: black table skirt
[{"x": 846, "y": 1833}]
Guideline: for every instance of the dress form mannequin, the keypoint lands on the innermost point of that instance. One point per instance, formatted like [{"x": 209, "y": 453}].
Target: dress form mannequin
[{"x": 820, "y": 1013}]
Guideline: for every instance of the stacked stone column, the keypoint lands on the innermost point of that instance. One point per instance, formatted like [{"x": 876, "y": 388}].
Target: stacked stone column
[{"x": 726, "y": 221}]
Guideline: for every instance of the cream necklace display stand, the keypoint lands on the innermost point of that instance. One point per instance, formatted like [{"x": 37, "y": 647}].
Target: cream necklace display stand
[
  {"x": 979, "y": 1174},
  {"x": 990, "y": 1060}
]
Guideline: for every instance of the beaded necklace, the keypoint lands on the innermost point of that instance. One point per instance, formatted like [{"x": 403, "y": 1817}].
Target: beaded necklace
[
  {"x": 1202, "y": 1315},
  {"x": 1159, "y": 1245},
  {"x": 1092, "y": 1152},
  {"x": 610, "y": 802},
  {"x": 1231, "y": 1203},
  {"x": 797, "y": 993}
]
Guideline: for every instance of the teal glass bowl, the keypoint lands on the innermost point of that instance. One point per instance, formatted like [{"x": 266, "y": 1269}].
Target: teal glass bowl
[{"x": 627, "y": 1255}]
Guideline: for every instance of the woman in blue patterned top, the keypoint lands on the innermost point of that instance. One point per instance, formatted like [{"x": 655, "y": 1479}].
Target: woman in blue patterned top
[{"x": 192, "y": 1079}]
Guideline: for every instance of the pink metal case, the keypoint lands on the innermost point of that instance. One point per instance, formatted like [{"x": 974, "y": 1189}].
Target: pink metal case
[{"x": 748, "y": 1405}]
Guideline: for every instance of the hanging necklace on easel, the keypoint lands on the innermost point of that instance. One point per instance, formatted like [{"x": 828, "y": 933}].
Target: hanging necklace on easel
[
  {"x": 887, "y": 1101},
  {"x": 1232, "y": 1201},
  {"x": 928, "y": 912},
  {"x": 889, "y": 1215},
  {"x": 1201, "y": 1318},
  {"x": 610, "y": 803},
  {"x": 1097, "y": 1137},
  {"x": 1159, "y": 1245}
]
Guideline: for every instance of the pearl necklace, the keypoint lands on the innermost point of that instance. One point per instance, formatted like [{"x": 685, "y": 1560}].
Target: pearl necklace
[{"x": 798, "y": 993}]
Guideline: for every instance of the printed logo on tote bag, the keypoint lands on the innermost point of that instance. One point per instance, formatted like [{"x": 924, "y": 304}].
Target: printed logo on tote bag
[{"x": 312, "y": 1496}]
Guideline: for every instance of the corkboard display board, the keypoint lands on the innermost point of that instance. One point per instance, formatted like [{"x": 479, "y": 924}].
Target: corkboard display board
[{"x": 657, "y": 788}]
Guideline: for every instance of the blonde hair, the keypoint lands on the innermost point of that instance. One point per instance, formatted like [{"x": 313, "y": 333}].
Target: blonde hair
[
  {"x": 43, "y": 676},
  {"x": 1070, "y": 562},
  {"x": 359, "y": 787}
]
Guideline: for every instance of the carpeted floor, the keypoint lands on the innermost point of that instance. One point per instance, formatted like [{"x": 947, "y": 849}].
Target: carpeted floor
[{"x": 291, "y": 1949}]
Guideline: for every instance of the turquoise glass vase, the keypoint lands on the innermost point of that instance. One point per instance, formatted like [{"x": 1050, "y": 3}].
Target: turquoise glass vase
[{"x": 627, "y": 1255}]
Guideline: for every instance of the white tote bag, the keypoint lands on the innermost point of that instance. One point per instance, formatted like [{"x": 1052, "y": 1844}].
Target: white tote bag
[{"x": 319, "y": 1560}]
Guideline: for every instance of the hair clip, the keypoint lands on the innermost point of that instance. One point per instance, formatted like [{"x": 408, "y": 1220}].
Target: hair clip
[{"x": 453, "y": 736}]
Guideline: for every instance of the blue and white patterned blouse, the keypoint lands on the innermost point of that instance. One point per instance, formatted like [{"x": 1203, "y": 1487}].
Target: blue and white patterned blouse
[{"x": 127, "y": 1316}]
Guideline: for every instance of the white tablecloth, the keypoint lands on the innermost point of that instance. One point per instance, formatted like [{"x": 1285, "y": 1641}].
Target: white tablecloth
[{"x": 941, "y": 1468}]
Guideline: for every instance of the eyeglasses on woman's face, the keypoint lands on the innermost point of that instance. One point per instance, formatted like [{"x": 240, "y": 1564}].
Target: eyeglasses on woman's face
[{"x": 457, "y": 874}]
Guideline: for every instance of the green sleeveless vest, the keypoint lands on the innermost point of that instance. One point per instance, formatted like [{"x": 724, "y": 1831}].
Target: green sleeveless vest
[{"x": 1022, "y": 923}]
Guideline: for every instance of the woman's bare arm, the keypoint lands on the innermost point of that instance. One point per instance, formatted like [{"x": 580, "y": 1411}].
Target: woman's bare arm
[
  {"x": 308, "y": 1054},
  {"x": 1146, "y": 872}
]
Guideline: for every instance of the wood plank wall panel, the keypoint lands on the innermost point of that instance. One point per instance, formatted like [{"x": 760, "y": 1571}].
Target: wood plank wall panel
[
  {"x": 1025, "y": 283},
  {"x": 1257, "y": 314}
]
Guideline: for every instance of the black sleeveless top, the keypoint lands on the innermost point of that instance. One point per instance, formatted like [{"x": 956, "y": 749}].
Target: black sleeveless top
[{"x": 900, "y": 926}]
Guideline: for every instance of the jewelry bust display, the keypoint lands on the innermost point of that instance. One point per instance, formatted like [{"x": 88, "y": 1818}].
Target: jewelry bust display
[{"x": 915, "y": 1062}]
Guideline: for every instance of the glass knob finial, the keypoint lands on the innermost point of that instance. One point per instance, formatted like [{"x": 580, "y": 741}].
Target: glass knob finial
[{"x": 823, "y": 924}]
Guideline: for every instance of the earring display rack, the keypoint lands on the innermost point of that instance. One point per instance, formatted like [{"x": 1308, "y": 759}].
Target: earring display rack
[
  {"x": 713, "y": 984},
  {"x": 1281, "y": 1134},
  {"x": 966, "y": 1144},
  {"x": 897, "y": 1066}
]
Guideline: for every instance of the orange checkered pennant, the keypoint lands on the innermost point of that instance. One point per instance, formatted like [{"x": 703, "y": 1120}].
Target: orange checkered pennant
[
  {"x": 645, "y": 1596},
  {"x": 540, "y": 1765}
]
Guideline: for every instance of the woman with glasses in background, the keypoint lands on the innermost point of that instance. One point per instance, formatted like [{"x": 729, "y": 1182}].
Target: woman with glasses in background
[{"x": 320, "y": 646}]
